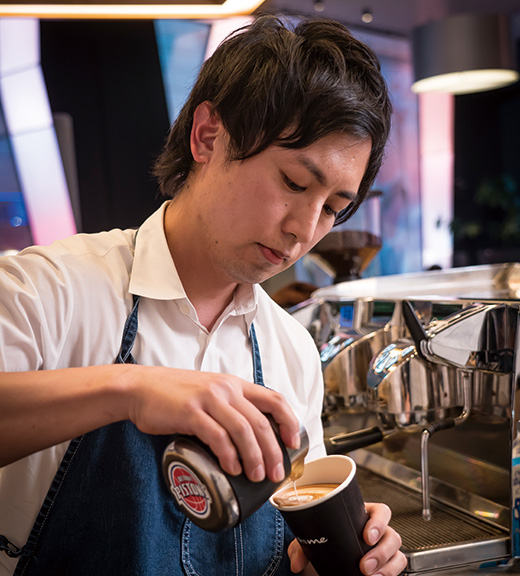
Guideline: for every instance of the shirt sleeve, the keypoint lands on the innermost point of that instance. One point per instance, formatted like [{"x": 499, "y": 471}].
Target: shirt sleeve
[
  {"x": 291, "y": 359},
  {"x": 314, "y": 410},
  {"x": 33, "y": 310}
]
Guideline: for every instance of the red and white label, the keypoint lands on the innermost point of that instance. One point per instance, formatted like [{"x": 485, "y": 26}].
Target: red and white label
[{"x": 188, "y": 490}]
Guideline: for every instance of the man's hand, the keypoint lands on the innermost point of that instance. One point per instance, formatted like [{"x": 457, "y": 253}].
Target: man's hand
[
  {"x": 384, "y": 559},
  {"x": 224, "y": 411}
]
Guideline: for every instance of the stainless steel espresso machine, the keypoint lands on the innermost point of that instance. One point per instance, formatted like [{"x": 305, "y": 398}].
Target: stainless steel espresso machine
[{"x": 421, "y": 374}]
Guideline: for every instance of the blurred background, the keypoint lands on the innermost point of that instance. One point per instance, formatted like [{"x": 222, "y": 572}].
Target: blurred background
[{"x": 86, "y": 103}]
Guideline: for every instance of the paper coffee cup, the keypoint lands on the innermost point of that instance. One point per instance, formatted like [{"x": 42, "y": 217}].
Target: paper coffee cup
[{"x": 330, "y": 528}]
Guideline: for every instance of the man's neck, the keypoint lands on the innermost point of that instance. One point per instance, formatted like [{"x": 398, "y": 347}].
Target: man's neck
[{"x": 210, "y": 310}]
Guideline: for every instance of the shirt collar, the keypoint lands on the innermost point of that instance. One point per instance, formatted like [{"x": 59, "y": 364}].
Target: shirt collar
[{"x": 154, "y": 274}]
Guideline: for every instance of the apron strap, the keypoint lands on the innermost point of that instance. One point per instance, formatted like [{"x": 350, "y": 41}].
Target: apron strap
[
  {"x": 257, "y": 363},
  {"x": 129, "y": 334},
  {"x": 130, "y": 329}
]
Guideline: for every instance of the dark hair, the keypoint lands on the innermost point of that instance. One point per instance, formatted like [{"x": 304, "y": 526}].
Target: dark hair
[{"x": 273, "y": 85}]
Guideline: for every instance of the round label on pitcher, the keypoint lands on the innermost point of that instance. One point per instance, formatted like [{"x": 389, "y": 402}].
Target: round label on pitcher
[{"x": 190, "y": 493}]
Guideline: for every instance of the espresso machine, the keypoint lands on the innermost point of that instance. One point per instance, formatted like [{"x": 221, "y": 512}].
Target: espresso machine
[{"x": 421, "y": 374}]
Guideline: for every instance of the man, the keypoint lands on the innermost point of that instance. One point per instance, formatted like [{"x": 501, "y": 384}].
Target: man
[{"x": 112, "y": 342}]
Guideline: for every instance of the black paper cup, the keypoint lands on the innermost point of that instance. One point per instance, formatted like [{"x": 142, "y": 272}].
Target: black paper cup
[{"x": 330, "y": 529}]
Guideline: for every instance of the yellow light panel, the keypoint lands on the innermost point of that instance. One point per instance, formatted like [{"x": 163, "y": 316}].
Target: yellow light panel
[{"x": 129, "y": 11}]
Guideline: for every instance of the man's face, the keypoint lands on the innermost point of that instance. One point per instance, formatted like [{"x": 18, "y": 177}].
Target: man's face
[{"x": 258, "y": 216}]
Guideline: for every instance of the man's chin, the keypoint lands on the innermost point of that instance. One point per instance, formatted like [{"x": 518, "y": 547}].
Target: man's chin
[
  {"x": 272, "y": 273},
  {"x": 258, "y": 275}
]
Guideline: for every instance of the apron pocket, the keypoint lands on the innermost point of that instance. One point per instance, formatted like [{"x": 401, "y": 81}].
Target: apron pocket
[{"x": 253, "y": 548}]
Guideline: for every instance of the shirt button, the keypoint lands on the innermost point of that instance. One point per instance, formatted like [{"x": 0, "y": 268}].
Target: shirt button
[{"x": 184, "y": 309}]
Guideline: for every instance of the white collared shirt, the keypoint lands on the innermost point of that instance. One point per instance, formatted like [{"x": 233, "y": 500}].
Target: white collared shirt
[{"x": 66, "y": 305}]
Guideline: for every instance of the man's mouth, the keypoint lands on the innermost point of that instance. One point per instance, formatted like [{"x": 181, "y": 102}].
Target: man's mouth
[{"x": 273, "y": 256}]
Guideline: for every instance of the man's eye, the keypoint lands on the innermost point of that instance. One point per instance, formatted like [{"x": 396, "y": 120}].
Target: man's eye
[
  {"x": 292, "y": 185},
  {"x": 329, "y": 211}
]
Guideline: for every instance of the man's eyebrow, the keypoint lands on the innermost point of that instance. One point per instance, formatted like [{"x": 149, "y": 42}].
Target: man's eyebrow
[{"x": 321, "y": 178}]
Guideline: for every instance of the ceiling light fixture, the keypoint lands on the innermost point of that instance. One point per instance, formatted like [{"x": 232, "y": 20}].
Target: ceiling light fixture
[
  {"x": 463, "y": 54},
  {"x": 319, "y": 5},
  {"x": 225, "y": 9},
  {"x": 366, "y": 16}
]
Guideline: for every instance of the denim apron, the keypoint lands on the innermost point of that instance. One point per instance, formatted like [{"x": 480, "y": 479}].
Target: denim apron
[{"x": 109, "y": 512}]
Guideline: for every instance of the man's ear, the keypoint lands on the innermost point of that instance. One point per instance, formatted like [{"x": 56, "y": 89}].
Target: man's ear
[{"x": 206, "y": 127}]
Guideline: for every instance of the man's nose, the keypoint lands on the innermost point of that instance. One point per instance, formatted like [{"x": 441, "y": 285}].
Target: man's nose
[{"x": 302, "y": 221}]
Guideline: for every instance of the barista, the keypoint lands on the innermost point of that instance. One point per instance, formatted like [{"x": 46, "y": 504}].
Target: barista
[{"x": 112, "y": 342}]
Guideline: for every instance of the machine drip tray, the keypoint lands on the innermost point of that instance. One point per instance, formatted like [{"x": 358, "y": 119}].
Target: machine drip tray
[{"x": 450, "y": 539}]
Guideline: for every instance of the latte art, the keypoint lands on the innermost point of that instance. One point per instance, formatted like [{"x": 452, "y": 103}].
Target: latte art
[{"x": 302, "y": 494}]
